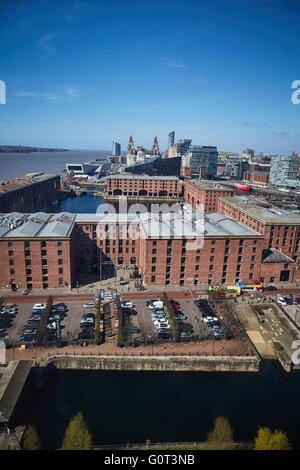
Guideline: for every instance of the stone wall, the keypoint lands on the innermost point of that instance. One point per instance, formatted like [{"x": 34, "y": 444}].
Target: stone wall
[{"x": 158, "y": 363}]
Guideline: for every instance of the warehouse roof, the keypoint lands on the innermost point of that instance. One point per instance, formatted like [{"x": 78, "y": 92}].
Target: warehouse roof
[{"x": 254, "y": 207}]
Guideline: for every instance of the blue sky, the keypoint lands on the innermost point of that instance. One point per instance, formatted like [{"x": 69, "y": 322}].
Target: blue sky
[{"x": 80, "y": 74}]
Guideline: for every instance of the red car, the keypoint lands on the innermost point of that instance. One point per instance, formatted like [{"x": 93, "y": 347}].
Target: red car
[
  {"x": 298, "y": 300},
  {"x": 175, "y": 304}
]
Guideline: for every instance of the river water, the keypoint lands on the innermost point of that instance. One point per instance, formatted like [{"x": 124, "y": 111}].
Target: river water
[
  {"x": 13, "y": 165},
  {"x": 163, "y": 406}
]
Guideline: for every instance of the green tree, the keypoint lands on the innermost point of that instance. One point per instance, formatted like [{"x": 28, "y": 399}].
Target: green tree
[
  {"x": 268, "y": 440},
  {"x": 77, "y": 435},
  {"x": 221, "y": 434},
  {"x": 31, "y": 439}
]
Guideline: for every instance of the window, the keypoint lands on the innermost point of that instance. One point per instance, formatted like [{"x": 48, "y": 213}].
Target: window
[
  {"x": 26, "y": 245},
  {"x": 60, "y": 261},
  {"x": 212, "y": 250},
  {"x": 241, "y": 242},
  {"x": 213, "y": 242},
  {"x": 61, "y": 281},
  {"x": 197, "y": 259},
  {"x": 251, "y": 266},
  {"x": 197, "y": 267},
  {"x": 11, "y": 244},
  {"x": 154, "y": 251},
  {"x": 251, "y": 276},
  {"x": 272, "y": 279},
  {"x": 154, "y": 259},
  {"x": 253, "y": 258},
  {"x": 10, "y": 253},
  {"x": 12, "y": 271},
  {"x": 154, "y": 243},
  {"x": 28, "y": 271},
  {"x": 152, "y": 278},
  {"x": 43, "y": 244},
  {"x": 212, "y": 258},
  {"x": 286, "y": 266},
  {"x": 11, "y": 262},
  {"x": 44, "y": 271},
  {"x": 211, "y": 267},
  {"x": 59, "y": 252},
  {"x": 59, "y": 243},
  {"x": 153, "y": 269}
]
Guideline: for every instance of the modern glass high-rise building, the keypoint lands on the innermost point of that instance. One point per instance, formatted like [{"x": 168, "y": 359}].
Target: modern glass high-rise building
[
  {"x": 284, "y": 170},
  {"x": 183, "y": 146},
  {"x": 171, "y": 139},
  {"x": 116, "y": 150},
  {"x": 205, "y": 159}
]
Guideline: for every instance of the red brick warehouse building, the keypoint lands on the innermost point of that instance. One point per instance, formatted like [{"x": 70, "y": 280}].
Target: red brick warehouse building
[
  {"x": 134, "y": 185},
  {"x": 28, "y": 193},
  {"x": 51, "y": 250},
  {"x": 197, "y": 192}
]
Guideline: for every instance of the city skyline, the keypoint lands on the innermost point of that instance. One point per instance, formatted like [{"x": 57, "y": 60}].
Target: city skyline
[{"x": 80, "y": 75}]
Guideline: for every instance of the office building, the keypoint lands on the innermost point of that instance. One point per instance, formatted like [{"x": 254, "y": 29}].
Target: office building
[
  {"x": 116, "y": 150},
  {"x": 284, "y": 171},
  {"x": 204, "y": 161},
  {"x": 171, "y": 139}
]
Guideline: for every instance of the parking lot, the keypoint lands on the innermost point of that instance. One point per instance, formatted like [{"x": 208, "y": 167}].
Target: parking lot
[
  {"x": 70, "y": 325},
  {"x": 192, "y": 327}
]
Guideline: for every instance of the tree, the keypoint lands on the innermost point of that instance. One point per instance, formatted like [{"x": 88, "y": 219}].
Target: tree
[
  {"x": 77, "y": 435},
  {"x": 266, "y": 440},
  {"x": 221, "y": 433},
  {"x": 31, "y": 440}
]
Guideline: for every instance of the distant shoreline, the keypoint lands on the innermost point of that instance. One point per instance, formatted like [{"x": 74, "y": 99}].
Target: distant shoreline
[{"x": 24, "y": 149}]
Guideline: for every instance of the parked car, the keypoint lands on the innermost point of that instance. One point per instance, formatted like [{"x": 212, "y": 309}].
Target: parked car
[
  {"x": 288, "y": 301},
  {"x": 56, "y": 316},
  {"x": 90, "y": 304},
  {"x": 87, "y": 324},
  {"x": 59, "y": 307},
  {"x": 164, "y": 335},
  {"x": 86, "y": 335},
  {"x": 39, "y": 311},
  {"x": 88, "y": 316},
  {"x": 209, "y": 319},
  {"x": 149, "y": 302},
  {"x": 133, "y": 329},
  {"x": 30, "y": 331},
  {"x": 43, "y": 306},
  {"x": 35, "y": 317},
  {"x": 281, "y": 300},
  {"x": 269, "y": 288},
  {"x": 156, "y": 304},
  {"x": 129, "y": 311},
  {"x": 127, "y": 305},
  {"x": 28, "y": 338}
]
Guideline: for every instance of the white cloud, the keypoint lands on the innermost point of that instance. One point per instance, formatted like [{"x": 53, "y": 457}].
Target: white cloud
[{"x": 45, "y": 42}]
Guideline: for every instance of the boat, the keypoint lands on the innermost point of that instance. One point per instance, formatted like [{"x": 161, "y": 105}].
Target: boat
[{"x": 242, "y": 187}]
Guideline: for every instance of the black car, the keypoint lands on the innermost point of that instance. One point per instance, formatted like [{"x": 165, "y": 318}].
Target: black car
[
  {"x": 86, "y": 335},
  {"x": 269, "y": 288},
  {"x": 164, "y": 335},
  {"x": 129, "y": 311}
]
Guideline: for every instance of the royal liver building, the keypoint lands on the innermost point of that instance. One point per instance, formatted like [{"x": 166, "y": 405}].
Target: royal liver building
[{"x": 140, "y": 154}]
